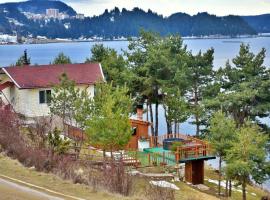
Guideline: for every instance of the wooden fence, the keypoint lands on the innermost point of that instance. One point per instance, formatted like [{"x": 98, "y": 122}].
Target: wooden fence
[
  {"x": 156, "y": 141},
  {"x": 133, "y": 158},
  {"x": 192, "y": 148}
]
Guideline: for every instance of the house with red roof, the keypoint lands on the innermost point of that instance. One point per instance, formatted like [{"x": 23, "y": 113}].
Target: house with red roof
[{"x": 27, "y": 89}]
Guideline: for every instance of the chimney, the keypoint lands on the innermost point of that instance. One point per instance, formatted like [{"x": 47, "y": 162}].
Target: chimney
[{"x": 140, "y": 112}]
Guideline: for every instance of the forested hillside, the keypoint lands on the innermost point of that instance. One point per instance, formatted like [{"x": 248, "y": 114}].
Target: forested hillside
[
  {"x": 39, "y": 6},
  {"x": 260, "y": 23},
  {"x": 115, "y": 23}
]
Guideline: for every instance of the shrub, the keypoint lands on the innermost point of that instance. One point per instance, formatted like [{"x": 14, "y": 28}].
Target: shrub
[
  {"x": 159, "y": 193},
  {"x": 112, "y": 176},
  {"x": 38, "y": 131},
  {"x": 115, "y": 178},
  {"x": 56, "y": 143},
  {"x": 175, "y": 145}
]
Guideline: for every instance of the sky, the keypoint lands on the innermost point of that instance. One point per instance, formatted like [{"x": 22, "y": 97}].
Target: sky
[{"x": 167, "y": 7}]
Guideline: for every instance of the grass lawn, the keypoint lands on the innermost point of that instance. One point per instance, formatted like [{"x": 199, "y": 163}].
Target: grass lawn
[
  {"x": 253, "y": 193},
  {"x": 141, "y": 156},
  {"x": 14, "y": 169}
]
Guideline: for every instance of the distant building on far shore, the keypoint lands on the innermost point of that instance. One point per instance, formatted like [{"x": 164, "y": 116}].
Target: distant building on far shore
[{"x": 51, "y": 12}]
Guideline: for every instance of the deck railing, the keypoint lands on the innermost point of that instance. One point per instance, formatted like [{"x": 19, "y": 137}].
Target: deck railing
[
  {"x": 192, "y": 147},
  {"x": 157, "y": 140},
  {"x": 193, "y": 152}
]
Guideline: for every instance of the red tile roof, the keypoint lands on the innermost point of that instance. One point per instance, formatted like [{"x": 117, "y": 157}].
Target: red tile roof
[
  {"x": 5, "y": 85},
  {"x": 44, "y": 76}
]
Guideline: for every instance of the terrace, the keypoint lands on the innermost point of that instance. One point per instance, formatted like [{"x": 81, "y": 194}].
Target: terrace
[{"x": 189, "y": 150}]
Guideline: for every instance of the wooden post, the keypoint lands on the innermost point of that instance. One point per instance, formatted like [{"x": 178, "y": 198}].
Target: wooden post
[
  {"x": 177, "y": 157},
  {"x": 163, "y": 156},
  {"x": 149, "y": 160}
]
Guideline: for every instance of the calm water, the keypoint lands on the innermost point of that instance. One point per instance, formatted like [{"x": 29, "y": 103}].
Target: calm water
[
  {"x": 78, "y": 52},
  {"x": 44, "y": 53}
]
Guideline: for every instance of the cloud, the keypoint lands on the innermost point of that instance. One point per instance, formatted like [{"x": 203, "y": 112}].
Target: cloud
[{"x": 167, "y": 7}]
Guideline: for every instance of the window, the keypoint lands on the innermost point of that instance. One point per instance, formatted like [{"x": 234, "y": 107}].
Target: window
[
  {"x": 44, "y": 96},
  {"x": 134, "y": 130},
  {"x": 48, "y": 96}
]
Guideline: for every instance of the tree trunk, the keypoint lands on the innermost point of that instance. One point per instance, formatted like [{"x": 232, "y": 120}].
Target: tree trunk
[
  {"x": 244, "y": 185},
  {"x": 152, "y": 119},
  {"x": 168, "y": 123},
  {"x": 147, "y": 105},
  {"x": 230, "y": 188},
  {"x": 226, "y": 190},
  {"x": 175, "y": 128},
  {"x": 156, "y": 121},
  {"x": 197, "y": 126},
  {"x": 219, "y": 175},
  {"x": 196, "y": 104},
  {"x": 111, "y": 154}
]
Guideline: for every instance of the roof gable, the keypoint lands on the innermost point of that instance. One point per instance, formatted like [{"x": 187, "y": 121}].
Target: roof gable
[{"x": 44, "y": 76}]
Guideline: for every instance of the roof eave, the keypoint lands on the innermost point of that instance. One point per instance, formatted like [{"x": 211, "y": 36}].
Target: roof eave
[
  {"x": 101, "y": 70},
  {"x": 13, "y": 80},
  {"x": 51, "y": 86}
]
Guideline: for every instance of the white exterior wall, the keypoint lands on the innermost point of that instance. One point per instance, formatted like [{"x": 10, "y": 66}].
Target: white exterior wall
[
  {"x": 26, "y": 101},
  {"x": 4, "y": 78}
]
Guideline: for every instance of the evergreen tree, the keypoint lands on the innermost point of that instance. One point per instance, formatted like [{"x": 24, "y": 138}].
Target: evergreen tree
[
  {"x": 245, "y": 87},
  {"x": 200, "y": 74},
  {"x": 98, "y": 53},
  {"x": 109, "y": 127},
  {"x": 56, "y": 143},
  {"x": 175, "y": 88},
  {"x": 153, "y": 62},
  {"x": 61, "y": 59},
  {"x": 221, "y": 135},
  {"x": 176, "y": 110},
  {"x": 114, "y": 65},
  {"x": 247, "y": 158},
  {"x": 69, "y": 103},
  {"x": 23, "y": 60}
]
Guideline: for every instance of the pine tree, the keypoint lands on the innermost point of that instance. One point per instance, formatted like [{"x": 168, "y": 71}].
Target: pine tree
[
  {"x": 247, "y": 158},
  {"x": 69, "y": 103},
  {"x": 113, "y": 64},
  {"x": 200, "y": 75},
  {"x": 109, "y": 127},
  {"x": 23, "y": 60},
  {"x": 61, "y": 58},
  {"x": 221, "y": 135},
  {"x": 245, "y": 86},
  {"x": 153, "y": 61}
]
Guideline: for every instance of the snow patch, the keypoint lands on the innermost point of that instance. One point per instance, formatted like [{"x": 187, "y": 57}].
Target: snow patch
[{"x": 164, "y": 184}]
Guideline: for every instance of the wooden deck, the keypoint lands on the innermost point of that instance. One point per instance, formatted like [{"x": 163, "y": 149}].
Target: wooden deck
[{"x": 192, "y": 149}]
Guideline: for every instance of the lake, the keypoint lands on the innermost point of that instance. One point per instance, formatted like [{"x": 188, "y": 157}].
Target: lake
[
  {"x": 44, "y": 53},
  {"x": 78, "y": 52}
]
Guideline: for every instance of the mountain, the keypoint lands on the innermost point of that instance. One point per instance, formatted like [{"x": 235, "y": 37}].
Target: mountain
[
  {"x": 128, "y": 23},
  {"x": 39, "y": 6},
  {"x": 260, "y": 22},
  {"x": 115, "y": 23},
  {"x": 206, "y": 24}
]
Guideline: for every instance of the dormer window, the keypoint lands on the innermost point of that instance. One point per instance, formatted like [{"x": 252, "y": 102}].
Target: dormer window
[{"x": 44, "y": 96}]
